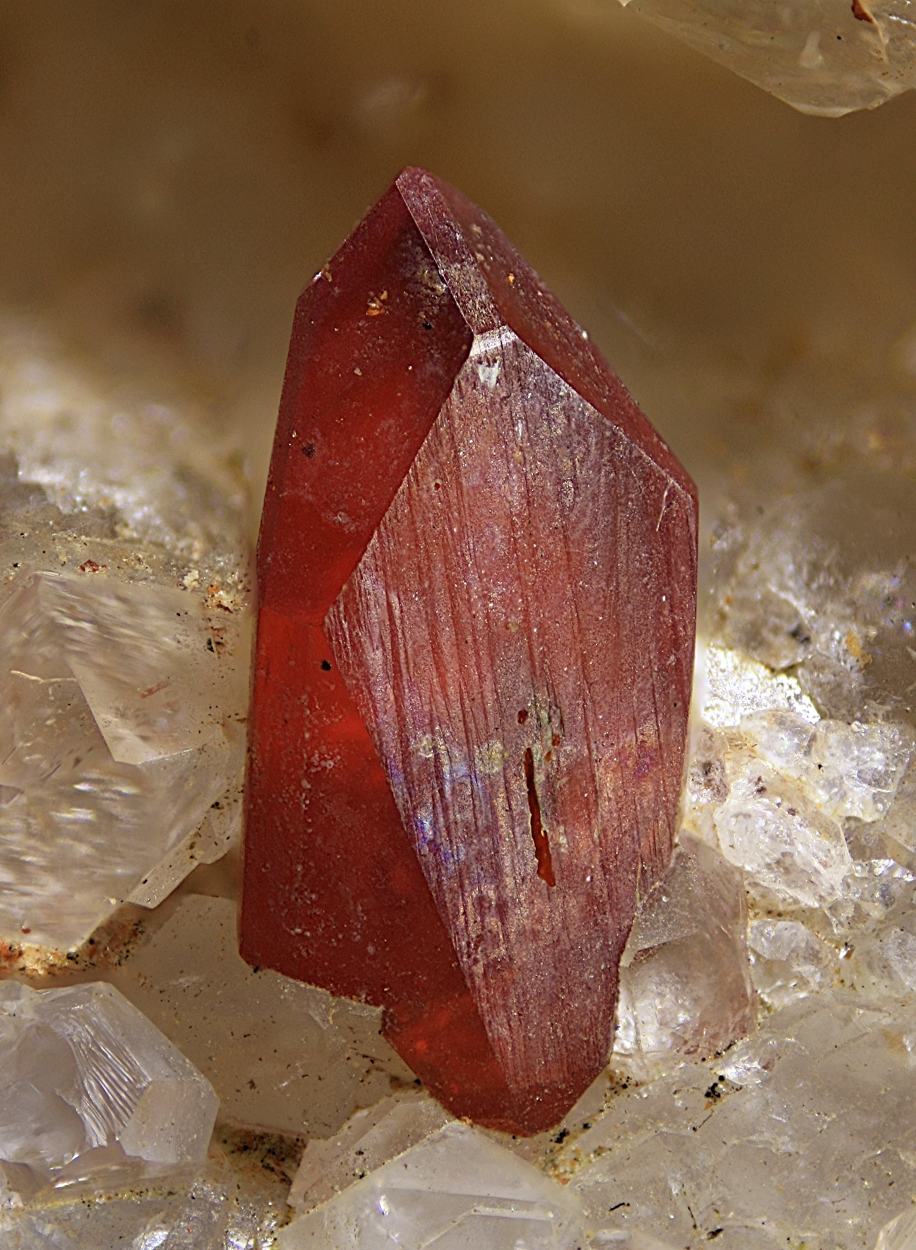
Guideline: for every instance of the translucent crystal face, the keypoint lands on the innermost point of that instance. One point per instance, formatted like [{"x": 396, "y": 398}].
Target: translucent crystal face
[
  {"x": 819, "y": 56},
  {"x": 453, "y": 1188},
  {"x": 92, "y": 1090},
  {"x": 116, "y": 744}
]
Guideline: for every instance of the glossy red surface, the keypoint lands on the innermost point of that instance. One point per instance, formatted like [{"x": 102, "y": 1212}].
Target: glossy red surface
[{"x": 477, "y": 581}]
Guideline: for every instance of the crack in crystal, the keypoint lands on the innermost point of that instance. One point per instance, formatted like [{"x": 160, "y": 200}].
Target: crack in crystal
[{"x": 538, "y": 832}]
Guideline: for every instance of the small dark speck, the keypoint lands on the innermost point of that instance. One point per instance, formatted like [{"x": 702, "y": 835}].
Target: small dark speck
[
  {"x": 210, "y": 646},
  {"x": 561, "y": 1136},
  {"x": 714, "y": 1233},
  {"x": 308, "y": 449},
  {"x": 326, "y": 666},
  {"x": 523, "y": 716},
  {"x": 427, "y": 325}
]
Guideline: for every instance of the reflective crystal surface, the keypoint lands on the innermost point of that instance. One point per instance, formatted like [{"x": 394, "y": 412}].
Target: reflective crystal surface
[
  {"x": 425, "y": 1184},
  {"x": 804, "y": 1133},
  {"x": 220, "y": 1209},
  {"x": 122, "y": 642},
  {"x": 93, "y": 1092},
  {"x": 120, "y": 735},
  {"x": 684, "y": 983}
]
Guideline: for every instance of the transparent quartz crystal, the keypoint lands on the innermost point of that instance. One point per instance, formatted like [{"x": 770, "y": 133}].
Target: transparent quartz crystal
[
  {"x": 801, "y": 1135},
  {"x": 123, "y": 645},
  {"x": 821, "y": 56},
  {"x": 121, "y": 731},
  {"x": 222, "y": 1208},
  {"x": 419, "y": 1182},
  {"x": 93, "y": 1092},
  {"x": 684, "y": 980}
]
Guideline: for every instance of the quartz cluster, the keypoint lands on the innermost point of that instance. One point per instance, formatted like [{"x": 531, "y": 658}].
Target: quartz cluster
[{"x": 122, "y": 647}]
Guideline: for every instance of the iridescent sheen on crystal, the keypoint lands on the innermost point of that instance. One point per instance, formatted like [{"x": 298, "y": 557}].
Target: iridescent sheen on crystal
[{"x": 477, "y": 578}]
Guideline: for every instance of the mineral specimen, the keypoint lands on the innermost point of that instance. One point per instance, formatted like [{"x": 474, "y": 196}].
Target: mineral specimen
[
  {"x": 823, "y": 56},
  {"x": 91, "y": 1091},
  {"x": 222, "y": 1208},
  {"x": 114, "y": 746},
  {"x": 477, "y": 576},
  {"x": 421, "y": 1182}
]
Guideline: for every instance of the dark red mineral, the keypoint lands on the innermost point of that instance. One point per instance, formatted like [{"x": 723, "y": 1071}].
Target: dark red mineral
[{"x": 477, "y": 579}]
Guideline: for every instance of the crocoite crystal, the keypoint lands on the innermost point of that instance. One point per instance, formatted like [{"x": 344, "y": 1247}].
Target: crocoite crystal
[{"x": 477, "y": 572}]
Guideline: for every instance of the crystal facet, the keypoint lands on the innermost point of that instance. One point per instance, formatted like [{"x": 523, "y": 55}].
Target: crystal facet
[
  {"x": 425, "y": 1183},
  {"x": 477, "y": 574},
  {"x": 120, "y": 735},
  {"x": 91, "y": 1089}
]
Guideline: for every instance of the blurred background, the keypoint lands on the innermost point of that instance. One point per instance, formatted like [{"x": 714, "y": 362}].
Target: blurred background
[{"x": 173, "y": 173}]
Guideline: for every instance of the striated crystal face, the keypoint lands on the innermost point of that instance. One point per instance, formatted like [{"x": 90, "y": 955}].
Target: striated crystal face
[
  {"x": 425, "y": 1183},
  {"x": 119, "y": 737},
  {"x": 93, "y": 1091},
  {"x": 477, "y": 572}
]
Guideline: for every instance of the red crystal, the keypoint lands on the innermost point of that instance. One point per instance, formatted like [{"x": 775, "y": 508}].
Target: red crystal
[{"x": 477, "y": 580}]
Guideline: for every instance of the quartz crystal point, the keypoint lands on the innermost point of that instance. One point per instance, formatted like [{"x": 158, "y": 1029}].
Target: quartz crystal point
[
  {"x": 477, "y": 574},
  {"x": 92, "y": 1091}
]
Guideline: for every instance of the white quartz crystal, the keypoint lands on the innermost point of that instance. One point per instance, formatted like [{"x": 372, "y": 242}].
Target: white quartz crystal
[
  {"x": 429, "y": 1184},
  {"x": 121, "y": 731},
  {"x": 767, "y": 827},
  {"x": 821, "y": 56},
  {"x": 223, "y": 1208},
  {"x": 123, "y": 641},
  {"x": 282, "y": 1056},
  {"x": 91, "y": 1090},
  {"x": 804, "y": 1135},
  {"x": 788, "y": 961},
  {"x": 684, "y": 980}
]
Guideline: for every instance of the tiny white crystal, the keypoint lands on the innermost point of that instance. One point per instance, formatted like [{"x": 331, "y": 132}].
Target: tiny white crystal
[
  {"x": 453, "y": 1188},
  {"x": 91, "y": 1089},
  {"x": 767, "y": 827},
  {"x": 788, "y": 961},
  {"x": 282, "y": 1056},
  {"x": 731, "y": 686}
]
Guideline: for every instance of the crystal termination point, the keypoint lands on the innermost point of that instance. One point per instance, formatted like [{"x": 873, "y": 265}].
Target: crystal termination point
[{"x": 477, "y": 580}]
